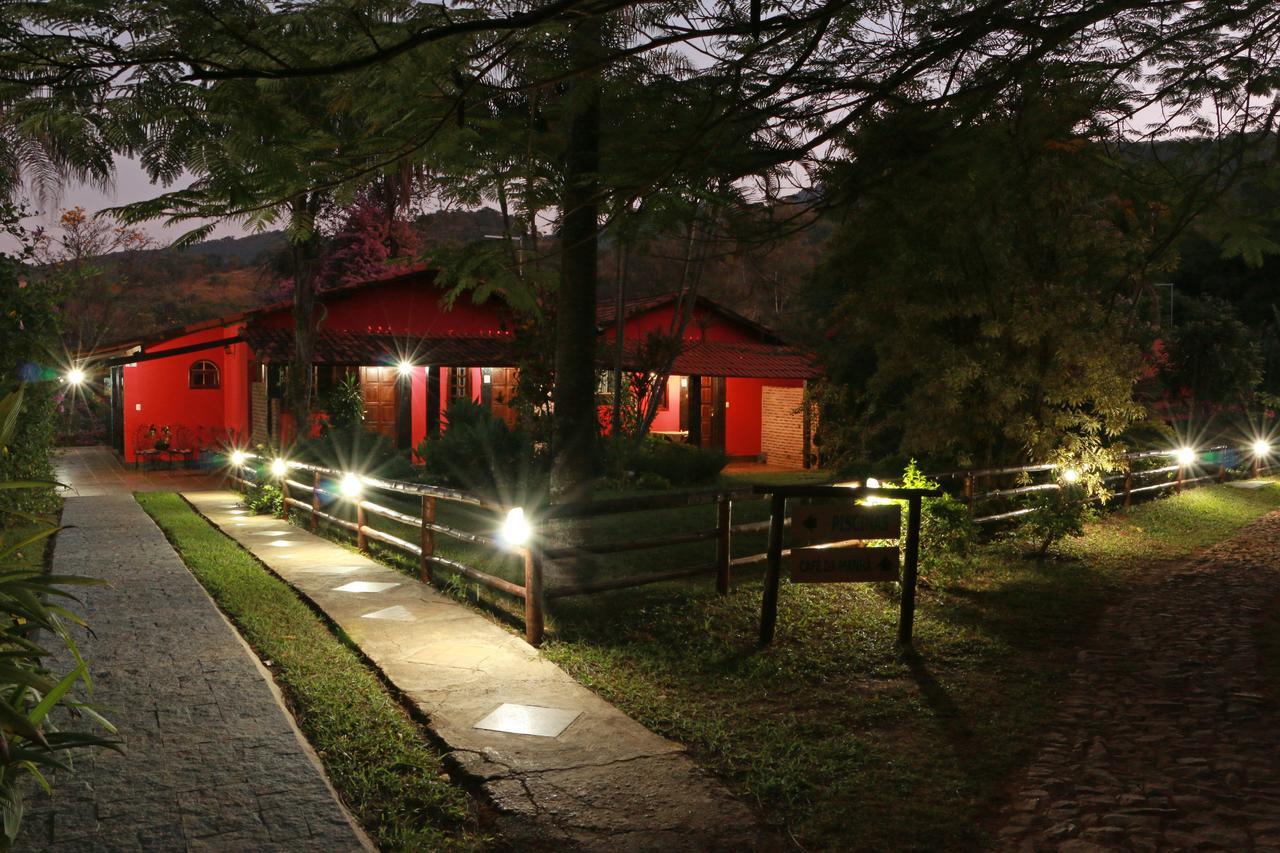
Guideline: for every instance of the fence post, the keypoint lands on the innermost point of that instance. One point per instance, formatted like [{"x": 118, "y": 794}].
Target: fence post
[
  {"x": 361, "y": 542},
  {"x": 910, "y": 571},
  {"x": 315, "y": 500},
  {"x": 1128, "y": 484},
  {"x": 724, "y": 520},
  {"x": 1222, "y": 473},
  {"x": 773, "y": 571},
  {"x": 968, "y": 492},
  {"x": 284, "y": 495},
  {"x": 532, "y": 597},
  {"x": 1178, "y": 489},
  {"x": 427, "y": 539}
]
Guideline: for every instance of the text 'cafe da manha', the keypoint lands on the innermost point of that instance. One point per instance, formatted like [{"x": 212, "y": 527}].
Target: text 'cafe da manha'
[{"x": 735, "y": 385}]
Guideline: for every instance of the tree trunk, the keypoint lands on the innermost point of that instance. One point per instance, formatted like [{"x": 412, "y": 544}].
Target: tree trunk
[
  {"x": 573, "y": 426},
  {"x": 304, "y": 322}
]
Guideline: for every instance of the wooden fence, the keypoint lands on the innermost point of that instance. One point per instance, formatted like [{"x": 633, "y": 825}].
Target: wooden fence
[
  {"x": 321, "y": 487},
  {"x": 1136, "y": 478}
]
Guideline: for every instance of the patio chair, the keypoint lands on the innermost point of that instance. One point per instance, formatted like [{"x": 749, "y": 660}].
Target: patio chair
[
  {"x": 144, "y": 447},
  {"x": 183, "y": 447}
]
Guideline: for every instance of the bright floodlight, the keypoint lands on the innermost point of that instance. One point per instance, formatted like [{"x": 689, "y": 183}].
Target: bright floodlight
[
  {"x": 873, "y": 483},
  {"x": 404, "y": 368},
  {"x": 350, "y": 486},
  {"x": 1186, "y": 456},
  {"x": 1070, "y": 475},
  {"x": 279, "y": 467},
  {"x": 1262, "y": 447},
  {"x": 516, "y": 530},
  {"x": 238, "y": 458},
  {"x": 74, "y": 376}
]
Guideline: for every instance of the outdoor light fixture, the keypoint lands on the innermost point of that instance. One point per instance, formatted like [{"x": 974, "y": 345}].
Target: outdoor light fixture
[
  {"x": 405, "y": 368},
  {"x": 516, "y": 530},
  {"x": 75, "y": 376},
  {"x": 279, "y": 467},
  {"x": 1262, "y": 447},
  {"x": 873, "y": 483},
  {"x": 350, "y": 487},
  {"x": 1070, "y": 475},
  {"x": 1186, "y": 456},
  {"x": 238, "y": 458}
]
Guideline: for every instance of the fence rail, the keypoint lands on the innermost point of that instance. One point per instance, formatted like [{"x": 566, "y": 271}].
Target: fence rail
[{"x": 311, "y": 499}]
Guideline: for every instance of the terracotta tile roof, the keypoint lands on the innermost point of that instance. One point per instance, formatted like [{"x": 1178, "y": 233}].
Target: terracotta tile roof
[
  {"x": 607, "y": 313},
  {"x": 351, "y": 348},
  {"x": 709, "y": 358}
]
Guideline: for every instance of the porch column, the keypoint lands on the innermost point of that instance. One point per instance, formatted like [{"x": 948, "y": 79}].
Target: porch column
[
  {"x": 806, "y": 449},
  {"x": 695, "y": 410},
  {"x": 433, "y": 400}
]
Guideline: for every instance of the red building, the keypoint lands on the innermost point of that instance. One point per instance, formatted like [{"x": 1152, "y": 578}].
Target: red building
[{"x": 735, "y": 385}]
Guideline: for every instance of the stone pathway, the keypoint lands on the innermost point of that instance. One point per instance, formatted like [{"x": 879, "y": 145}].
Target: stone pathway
[
  {"x": 212, "y": 760},
  {"x": 593, "y": 780},
  {"x": 1167, "y": 739},
  {"x": 88, "y": 471}
]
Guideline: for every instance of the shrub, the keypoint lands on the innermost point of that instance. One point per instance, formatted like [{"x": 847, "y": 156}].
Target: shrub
[
  {"x": 681, "y": 464},
  {"x": 478, "y": 452},
  {"x": 945, "y": 526},
  {"x": 29, "y": 689},
  {"x": 264, "y": 498},
  {"x": 353, "y": 448},
  {"x": 344, "y": 405},
  {"x": 1058, "y": 514},
  {"x": 650, "y": 480}
]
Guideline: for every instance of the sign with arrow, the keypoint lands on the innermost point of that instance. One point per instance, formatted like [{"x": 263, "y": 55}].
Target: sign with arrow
[
  {"x": 844, "y": 565},
  {"x": 844, "y": 522}
]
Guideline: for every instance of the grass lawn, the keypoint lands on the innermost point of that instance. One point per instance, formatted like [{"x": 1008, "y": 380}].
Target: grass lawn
[
  {"x": 381, "y": 762},
  {"x": 832, "y": 732}
]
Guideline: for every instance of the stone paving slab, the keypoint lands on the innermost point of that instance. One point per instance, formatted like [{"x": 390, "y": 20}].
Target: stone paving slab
[
  {"x": 89, "y": 471},
  {"x": 605, "y": 783},
  {"x": 212, "y": 760},
  {"x": 1168, "y": 736}
]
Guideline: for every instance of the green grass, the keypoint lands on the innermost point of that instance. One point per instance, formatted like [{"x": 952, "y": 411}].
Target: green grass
[
  {"x": 833, "y": 733},
  {"x": 379, "y": 760}
]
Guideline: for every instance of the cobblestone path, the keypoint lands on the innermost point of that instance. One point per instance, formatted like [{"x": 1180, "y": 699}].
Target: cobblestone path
[
  {"x": 1167, "y": 739},
  {"x": 211, "y": 759}
]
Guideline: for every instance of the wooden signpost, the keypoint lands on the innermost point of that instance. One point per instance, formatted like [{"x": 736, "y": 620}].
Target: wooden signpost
[{"x": 830, "y": 544}]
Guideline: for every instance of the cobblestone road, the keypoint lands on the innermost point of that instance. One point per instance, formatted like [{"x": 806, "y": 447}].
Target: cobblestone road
[
  {"x": 211, "y": 761},
  {"x": 1167, "y": 738}
]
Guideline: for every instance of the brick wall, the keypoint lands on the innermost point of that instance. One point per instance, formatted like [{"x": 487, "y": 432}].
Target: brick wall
[{"x": 782, "y": 428}]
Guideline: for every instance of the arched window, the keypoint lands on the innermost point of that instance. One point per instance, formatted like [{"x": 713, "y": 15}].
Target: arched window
[{"x": 203, "y": 374}]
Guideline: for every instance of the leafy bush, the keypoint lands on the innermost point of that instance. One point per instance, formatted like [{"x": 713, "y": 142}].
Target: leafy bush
[
  {"x": 1058, "y": 514},
  {"x": 478, "y": 452},
  {"x": 650, "y": 480},
  {"x": 264, "y": 498},
  {"x": 344, "y": 405},
  {"x": 945, "y": 526},
  {"x": 28, "y": 335},
  {"x": 353, "y": 448},
  {"x": 681, "y": 464},
  {"x": 29, "y": 689}
]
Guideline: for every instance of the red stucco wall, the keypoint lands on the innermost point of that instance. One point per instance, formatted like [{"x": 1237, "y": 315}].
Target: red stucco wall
[
  {"x": 704, "y": 325},
  {"x": 157, "y": 392}
]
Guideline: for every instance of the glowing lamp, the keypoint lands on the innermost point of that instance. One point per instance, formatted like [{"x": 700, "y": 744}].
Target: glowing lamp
[
  {"x": 516, "y": 530},
  {"x": 74, "y": 376},
  {"x": 1261, "y": 447},
  {"x": 238, "y": 458},
  {"x": 873, "y": 483},
  {"x": 404, "y": 368},
  {"x": 350, "y": 487},
  {"x": 279, "y": 467},
  {"x": 1186, "y": 456},
  {"x": 1070, "y": 475}
]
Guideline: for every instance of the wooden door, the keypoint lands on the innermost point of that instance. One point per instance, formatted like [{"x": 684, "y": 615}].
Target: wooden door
[
  {"x": 380, "y": 402},
  {"x": 502, "y": 390},
  {"x": 712, "y": 414}
]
